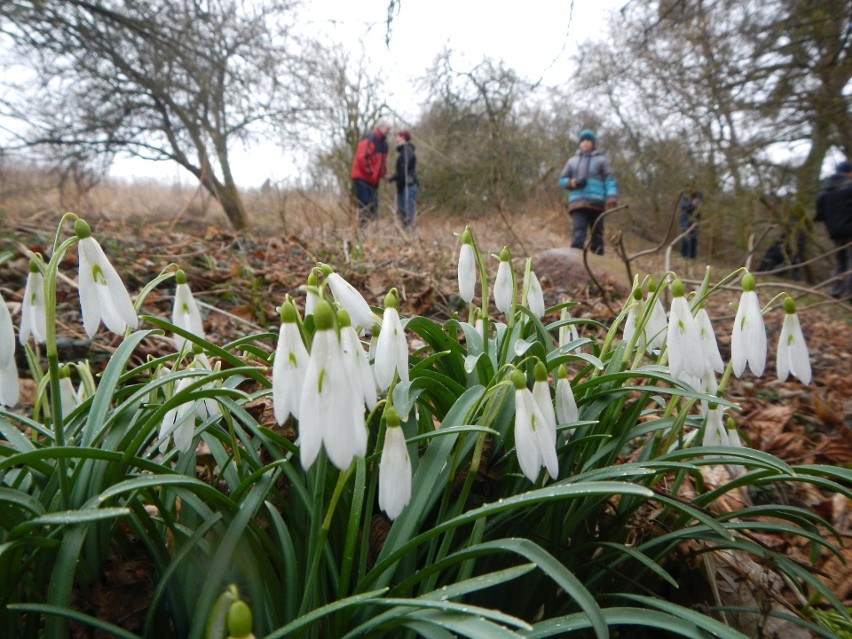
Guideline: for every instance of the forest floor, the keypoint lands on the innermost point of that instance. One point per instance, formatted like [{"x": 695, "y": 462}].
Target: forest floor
[{"x": 242, "y": 279}]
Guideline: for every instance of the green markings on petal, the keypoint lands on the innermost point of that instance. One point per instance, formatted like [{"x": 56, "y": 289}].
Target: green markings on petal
[
  {"x": 98, "y": 275},
  {"x": 320, "y": 380}
]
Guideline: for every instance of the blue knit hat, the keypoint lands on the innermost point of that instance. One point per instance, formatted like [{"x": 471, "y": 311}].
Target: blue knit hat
[
  {"x": 844, "y": 167},
  {"x": 587, "y": 134}
]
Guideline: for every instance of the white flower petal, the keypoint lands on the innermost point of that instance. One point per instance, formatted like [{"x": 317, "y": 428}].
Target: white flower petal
[
  {"x": 467, "y": 272},
  {"x": 535, "y": 296},
  {"x": 352, "y": 301},
  {"x": 102, "y": 293},
  {"x": 358, "y": 366},
  {"x": 686, "y": 357},
  {"x": 394, "y": 473},
  {"x": 33, "y": 310},
  {"x": 526, "y": 443},
  {"x": 391, "y": 350},
  {"x": 792, "y": 354},
  {"x": 566, "y": 405},
  {"x": 185, "y": 314},
  {"x": 708, "y": 341},
  {"x": 7, "y": 335},
  {"x": 656, "y": 327},
  {"x": 503, "y": 287},
  {"x": 715, "y": 433},
  {"x": 10, "y": 389},
  {"x": 288, "y": 370}
]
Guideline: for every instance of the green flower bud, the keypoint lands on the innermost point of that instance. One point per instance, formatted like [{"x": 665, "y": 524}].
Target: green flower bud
[
  {"x": 288, "y": 313},
  {"x": 324, "y": 316},
  {"x": 180, "y": 276},
  {"x": 562, "y": 372},
  {"x": 789, "y": 305},
  {"x": 82, "y": 230},
  {"x": 325, "y": 269},
  {"x": 748, "y": 282},
  {"x": 540, "y": 372},
  {"x": 33, "y": 266},
  {"x": 467, "y": 236},
  {"x": 392, "y": 417},
  {"x": 637, "y": 294},
  {"x": 678, "y": 289},
  {"x": 313, "y": 280},
  {"x": 343, "y": 319},
  {"x": 518, "y": 379},
  {"x": 239, "y": 620},
  {"x": 392, "y": 299},
  {"x": 504, "y": 254}
]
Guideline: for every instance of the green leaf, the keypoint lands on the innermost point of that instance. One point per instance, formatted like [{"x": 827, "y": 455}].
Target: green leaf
[{"x": 60, "y": 611}]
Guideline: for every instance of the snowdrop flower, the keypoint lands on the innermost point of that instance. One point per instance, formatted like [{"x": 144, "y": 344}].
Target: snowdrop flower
[
  {"x": 289, "y": 365},
  {"x": 33, "y": 310},
  {"x": 734, "y": 440},
  {"x": 656, "y": 326},
  {"x": 9, "y": 386},
  {"x": 311, "y": 295},
  {"x": 102, "y": 294},
  {"x": 69, "y": 398},
  {"x": 566, "y": 405},
  {"x": 504, "y": 285},
  {"x": 349, "y": 298},
  {"x": 567, "y": 332},
  {"x": 748, "y": 340},
  {"x": 715, "y": 433},
  {"x": 394, "y": 469},
  {"x": 179, "y": 422},
  {"x": 391, "y": 347},
  {"x": 535, "y": 296},
  {"x": 792, "y": 355},
  {"x": 631, "y": 322},
  {"x": 685, "y": 354},
  {"x": 534, "y": 443},
  {"x": 541, "y": 395},
  {"x": 331, "y": 411},
  {"x": 467, "y": 267},
  {"x": 185, "y": 313},
  {"x": 356, "y": 361},
  {"x": 708, "y": 341}
]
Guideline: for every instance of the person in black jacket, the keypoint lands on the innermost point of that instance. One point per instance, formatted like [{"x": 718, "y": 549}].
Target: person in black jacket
[
  {"x": 834, "y": 208},
  {"x": 405, "y": 177}
]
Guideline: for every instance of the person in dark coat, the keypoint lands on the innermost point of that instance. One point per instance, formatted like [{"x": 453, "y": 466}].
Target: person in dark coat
[
  {"x": 407, "y": 186},
  {"x": 688, "y": 216},
  {"x": 834, "y": 208},
  {"x": 591, "y": 190},
  {"x": 369, "y": 166}
]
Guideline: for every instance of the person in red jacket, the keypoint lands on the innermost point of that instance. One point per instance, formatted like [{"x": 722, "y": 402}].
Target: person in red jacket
[{"x": 368, "y": 168}]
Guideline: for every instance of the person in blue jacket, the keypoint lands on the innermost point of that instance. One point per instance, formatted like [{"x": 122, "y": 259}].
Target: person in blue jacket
[{"x": 591, "y": 190}]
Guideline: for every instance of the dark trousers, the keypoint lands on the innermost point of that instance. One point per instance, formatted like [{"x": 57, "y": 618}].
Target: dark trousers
[
  {"x": 367, "y": 197},
  {"x": 405, "y": 205},
  {"x": 842, "y": 284},
  {"x": 582, "y": 220}
]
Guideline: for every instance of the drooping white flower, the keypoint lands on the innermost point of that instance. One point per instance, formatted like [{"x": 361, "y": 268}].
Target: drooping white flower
[
  {"x": 708, "y": 341},
  {"x": 33, "y": 310},
  {"x": 715, "y": 433},
  {"x": 535, "y": 296},
  {"x": 311, "y": 293},
  {"x": 792, "y": 355},
  {"x": 349, "y": 298},
  {"x": 69, "y": 398},
  {"x": 185, "y": 313},
  {"x": 541, "y": 395},
  {"x": 504, "y": 284},
  {"x": 331, "y": 410},
  {"x": 289, "y": 365},
  {"x": 356, "y": 361},
  {"x": 9, "y": 383},
  {"x": 631, "y": 322},
  {"x": 566, "y": 405},
  {"x": 467, "y": 267},
  {"x": 102, "y": 294},
  {"x": 567, "y": 332},
  {"x": 391, "y": 347},
  {"x": 748, "y": 339},
  {"x": 684, "y": 345},
  {"x": 657, "y": 324},
  {"x": 533, "y": 444},
  {"x": 394, "y": 471},
  {"x": 179, "y": 422}
]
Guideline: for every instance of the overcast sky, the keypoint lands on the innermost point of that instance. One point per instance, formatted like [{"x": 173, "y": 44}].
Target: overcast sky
[{"x": 536, "y": 38}]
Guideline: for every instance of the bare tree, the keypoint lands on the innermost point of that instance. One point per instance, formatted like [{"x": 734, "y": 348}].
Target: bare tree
[{"x": 179, "y": 80}]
